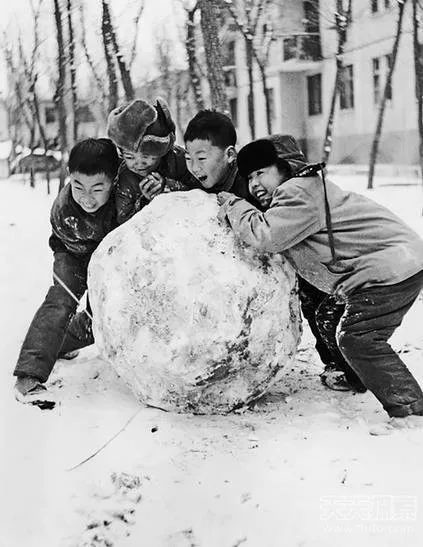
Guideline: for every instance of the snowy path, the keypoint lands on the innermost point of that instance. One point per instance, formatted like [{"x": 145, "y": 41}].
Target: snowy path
[{"x": 299, "y": 470}]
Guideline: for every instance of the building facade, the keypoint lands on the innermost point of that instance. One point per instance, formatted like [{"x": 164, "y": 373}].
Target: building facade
[{"x": 301, "y": 74}]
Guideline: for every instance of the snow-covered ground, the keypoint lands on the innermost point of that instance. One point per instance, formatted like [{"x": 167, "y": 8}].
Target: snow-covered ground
[{"x": 300, "y": 469}]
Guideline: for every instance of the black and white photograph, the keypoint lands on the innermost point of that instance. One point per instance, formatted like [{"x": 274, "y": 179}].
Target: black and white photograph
[{"x": 211, "y": 273}]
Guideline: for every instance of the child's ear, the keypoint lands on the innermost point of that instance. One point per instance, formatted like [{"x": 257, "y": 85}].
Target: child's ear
[{"x": 231, "y": 154}]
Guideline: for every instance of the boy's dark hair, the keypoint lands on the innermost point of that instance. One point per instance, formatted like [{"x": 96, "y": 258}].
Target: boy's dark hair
[
  {"x": 92, "y": 156},
  {"x": 212, "y": 126}
]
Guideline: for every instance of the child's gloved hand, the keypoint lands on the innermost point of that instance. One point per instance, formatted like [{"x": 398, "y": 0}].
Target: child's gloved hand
[
  {"x": 152, "y": 185},
  {"x": 222, "y": 197}
]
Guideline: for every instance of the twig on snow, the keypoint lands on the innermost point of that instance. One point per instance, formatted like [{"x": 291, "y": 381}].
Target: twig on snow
[{"x": 106, "y": 443}]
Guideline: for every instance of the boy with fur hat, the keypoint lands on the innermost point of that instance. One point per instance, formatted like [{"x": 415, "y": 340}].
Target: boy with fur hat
[
  {"x": 365, "y": 262},
  {"x": 152, "y": 163},
  {"x": 81, "y": 215},
  {"x": 210, "y": 139}
]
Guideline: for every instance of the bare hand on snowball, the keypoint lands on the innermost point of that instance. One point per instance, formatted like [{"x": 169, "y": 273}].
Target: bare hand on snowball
[
  {"x": 222, "y": 197},
  {"x": 152, "y": 185}
]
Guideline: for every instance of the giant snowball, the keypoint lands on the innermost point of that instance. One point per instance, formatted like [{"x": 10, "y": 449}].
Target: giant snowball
[{"x": 191, "y": 319}]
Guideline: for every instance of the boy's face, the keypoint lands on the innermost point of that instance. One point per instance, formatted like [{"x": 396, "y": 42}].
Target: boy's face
[
  {"x": 263, "y": 182},
  {"x": 90, "y": 191},
  {"x": 140, "y": 163},
  {"x": 207, "y": 162}
]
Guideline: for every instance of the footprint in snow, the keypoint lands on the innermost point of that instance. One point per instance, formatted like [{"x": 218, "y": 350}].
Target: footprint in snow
[{"x": 114, "y": 512}]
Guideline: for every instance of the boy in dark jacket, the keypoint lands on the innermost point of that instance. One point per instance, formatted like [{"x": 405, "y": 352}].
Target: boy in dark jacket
[
  {"x": 210, "y": 139},
  {"x": 152, "y": 163},
  {"x": 81, "y": 215},
  {"x": 357, "y": 253}
]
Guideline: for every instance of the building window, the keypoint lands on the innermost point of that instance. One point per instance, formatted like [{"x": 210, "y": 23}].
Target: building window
[
  {"x": 230, "y": 77},
  {"x": 51, "y": 115},
  {"x": 376, "y": 79},
  {"x": 380, "y": 5},
  {"x": 346, "y": 94},
  {"x": 233, "y": 108},
  {"x": 289, "y": 48},
  {"x": 340, "y": 6},
  {"x": 229, "y": 56},
  {"x": 84, "y": 114},
  {"x": 381, "y": 67},
  {"x": 314, "y": 88}
]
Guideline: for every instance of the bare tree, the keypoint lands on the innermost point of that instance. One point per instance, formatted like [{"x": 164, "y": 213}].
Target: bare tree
[
  {"x": 98, "y": 80},
  {"x": 191, "y": 50},
  {"x": 60, "y": 89},
  {"x": 418, "y": 70},
  {"x": 246, "y": 17},
  {"x": 164, "y": 62},
  {"x": 209, "y": 10},
  {"x": 382, "y": 104},
  {"x": 136, "y": 29},
  {"x": 123, "y": 69},
  {"x": 72, "y": 71},
  {"x": 342, "y": 22},
  {"x": 109, "y": 55}
]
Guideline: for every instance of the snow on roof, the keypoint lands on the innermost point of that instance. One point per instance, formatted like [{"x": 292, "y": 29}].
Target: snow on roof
[{"x": 5, "y": 149}]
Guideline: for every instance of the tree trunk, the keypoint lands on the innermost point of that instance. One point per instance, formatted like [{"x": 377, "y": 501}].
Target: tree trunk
[
  {"x": 108, "y": 53},
  {"x": 191, "y": 50},
  {"x": 100, "y": 85},
  {"x": 342, "y": 21},
  {"x": 418, "y": 69},
  {"x": 327, "y": 143},
  {"x": 59, "y": 96},
  {"x": 72, "y": 72},
  {"x": 251, "y": 100},
  {"x": 382, "y": 105},
  {"x": 128, "y": 88},
  {"x": 136, "y": 28},
  {"x": 266, "y": 97},
  {"x": 209, "y": 21}
]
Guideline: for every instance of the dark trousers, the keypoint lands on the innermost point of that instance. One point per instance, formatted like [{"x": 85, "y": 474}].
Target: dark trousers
[
  {"x": 369, "y": 318},
  {"x": 55, "y": 327},
  {"x": 323, "y": 314}
]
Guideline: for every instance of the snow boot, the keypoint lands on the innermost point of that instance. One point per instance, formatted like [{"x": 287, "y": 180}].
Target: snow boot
[
  {"x": 29, "y": 390},
  {"x": 338, "y": 380},
  {"x": 68, "y": 356}
]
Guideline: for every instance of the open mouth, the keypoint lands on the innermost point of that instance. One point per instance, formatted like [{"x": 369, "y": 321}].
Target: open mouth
[
  {"x": 261, "y": 195},
  {"x": 89, "y": 209},
  {"x": 141, "y": 171}
]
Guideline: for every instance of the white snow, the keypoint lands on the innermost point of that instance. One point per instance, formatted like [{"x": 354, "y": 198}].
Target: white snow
[
  {"x": 5, "y": 149},
  {"x": 300, "y": 469}
]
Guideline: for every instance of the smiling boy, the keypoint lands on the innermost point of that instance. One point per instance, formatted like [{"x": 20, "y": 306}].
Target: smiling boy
[
  {"x": 81, "y": 215},
  {"x": 152, "y": 162},
  {"x": 210, "y": 139},
  {"x": 366, "y": 263}
]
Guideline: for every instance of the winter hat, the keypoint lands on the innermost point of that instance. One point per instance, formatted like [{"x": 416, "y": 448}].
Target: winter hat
[
  {"x": 280, "y": 150},
  {"x": 141, "y": 127},
  {"x": 256, "y": 155}
]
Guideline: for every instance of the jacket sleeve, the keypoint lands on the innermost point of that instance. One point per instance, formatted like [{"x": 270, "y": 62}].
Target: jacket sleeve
[
  {"x": 291, "y": 218},
  {"x": 129, "y": 199}
]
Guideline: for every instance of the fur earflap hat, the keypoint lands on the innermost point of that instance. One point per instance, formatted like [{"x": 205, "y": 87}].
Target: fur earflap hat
[
  {"x": 280, "y": 150},
  {"x": 141, "y": 127}
]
